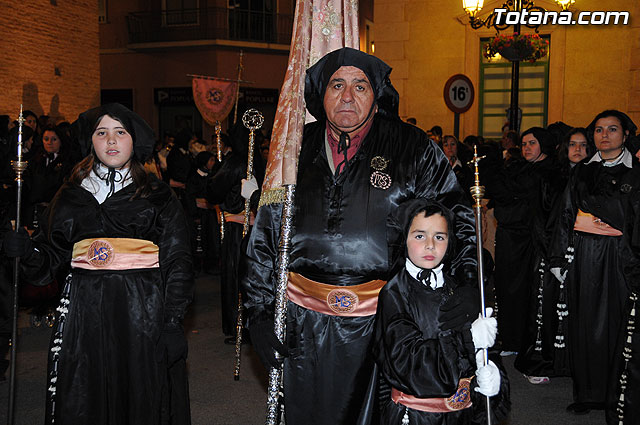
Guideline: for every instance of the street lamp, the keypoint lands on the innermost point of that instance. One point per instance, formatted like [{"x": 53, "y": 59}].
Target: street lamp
[
  {"x": 565, "y": 4},
  {"x": 472, "y": 7}
]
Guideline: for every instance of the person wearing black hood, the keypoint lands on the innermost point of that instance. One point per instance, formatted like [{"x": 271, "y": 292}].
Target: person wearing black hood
[
  {"x": 357, "y": 163},
  {"x": 586, "y": 254},
  {"x": 205, "y": 233},
  {"x": 180, "y": 163},
  {"x": 224, "y": 189},
  {"x": 118, "y": 349},
  {"x": 523, "y": 192},
  {"x": 425, "y": 366}
]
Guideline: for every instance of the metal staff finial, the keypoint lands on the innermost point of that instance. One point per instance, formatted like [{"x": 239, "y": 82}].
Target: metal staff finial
[
  {"x": 19, "y": 166},
  {"x": 477, "y": 192},
  {"x": 253, "y": 120}
]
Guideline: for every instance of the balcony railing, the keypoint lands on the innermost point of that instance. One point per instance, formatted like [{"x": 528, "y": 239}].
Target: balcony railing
[{"x": 209, "y": 24}]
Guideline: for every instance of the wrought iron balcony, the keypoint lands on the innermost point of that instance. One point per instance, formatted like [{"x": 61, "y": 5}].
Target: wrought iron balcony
[{"x": 209, "y": 24}]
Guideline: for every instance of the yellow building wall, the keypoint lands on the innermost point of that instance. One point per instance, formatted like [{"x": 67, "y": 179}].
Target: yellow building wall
[{"x": 591, "y": 68}]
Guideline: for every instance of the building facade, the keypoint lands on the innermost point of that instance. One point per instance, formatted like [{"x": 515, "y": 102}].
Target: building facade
[
  {"x": 148, "y": 49},
  {"x": 588, "y": 69}
]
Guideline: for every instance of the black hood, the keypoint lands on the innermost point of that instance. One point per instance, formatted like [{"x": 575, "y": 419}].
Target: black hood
[
  {"x": 399, "y": 222},
  {"x": 141, "y": 133},
  {"x": 318, "y": 76}
]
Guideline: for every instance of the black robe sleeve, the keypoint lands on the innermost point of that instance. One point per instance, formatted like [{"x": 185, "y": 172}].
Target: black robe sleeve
[
  {"x": 259, "y": 264},
  {"x": 224, "y": 186},
  {"x": 175, "y": 258}
]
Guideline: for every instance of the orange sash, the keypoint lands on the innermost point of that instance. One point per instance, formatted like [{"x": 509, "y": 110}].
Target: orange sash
[
  {"x": 460, "y": 400},
  {"x": 589, "y": 223},
  {"x": 352, "y": 301},
  {"x": 115, "y": 254}
]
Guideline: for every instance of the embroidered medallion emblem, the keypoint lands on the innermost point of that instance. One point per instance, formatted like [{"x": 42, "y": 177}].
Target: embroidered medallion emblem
[
  {"x": 462, "y": 398},
  {"x": 378, "y": 179},
  {"x": 342, "y": 301},
  {"x": 100, "y": 253},
  {"x": 625, "y": 188},
  {"x": 379, "y": 163}
]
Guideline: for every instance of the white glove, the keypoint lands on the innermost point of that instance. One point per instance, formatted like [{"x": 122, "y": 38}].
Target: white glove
[
  {"x": 248, "y": 187},
  {"x": 559, "y": 274},
  {"x": 488, "y": 378},
  {"x": 484, "y": 330}
]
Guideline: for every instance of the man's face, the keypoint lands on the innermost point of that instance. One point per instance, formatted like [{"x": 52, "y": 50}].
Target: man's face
[{"x": 348, "y": 98}]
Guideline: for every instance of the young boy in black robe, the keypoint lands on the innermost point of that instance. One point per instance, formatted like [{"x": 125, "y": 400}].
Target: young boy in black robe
[{"x": 430, "y": 370}]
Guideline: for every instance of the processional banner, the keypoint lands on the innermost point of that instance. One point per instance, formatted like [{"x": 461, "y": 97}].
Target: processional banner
[
  {"x": 320, "y": 27},
  {"x": 214, "y": 98}
]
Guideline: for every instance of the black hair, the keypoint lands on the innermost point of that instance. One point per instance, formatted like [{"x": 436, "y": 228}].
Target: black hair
[
  {"x": 563, "y": 149},
  {"x": 436, "y": 208},
  {"x": 399, "y": 223},
  {"x": 544, "y": 137},
  {"x": 437, "y": 130},
  {"x": 626, "y": 123}
]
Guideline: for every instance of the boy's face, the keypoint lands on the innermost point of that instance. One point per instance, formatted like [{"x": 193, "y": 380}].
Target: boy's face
[{"x": 427, "y": 240}]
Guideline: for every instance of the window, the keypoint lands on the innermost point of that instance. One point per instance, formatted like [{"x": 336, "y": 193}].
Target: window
[
  {"x": 102, "y": 11},
  {"x": 495, "y": 93},
  {"x": 179, "y": 12},
  {"x": 368, "y": 37},
  {"x": 252, "y": 20}
]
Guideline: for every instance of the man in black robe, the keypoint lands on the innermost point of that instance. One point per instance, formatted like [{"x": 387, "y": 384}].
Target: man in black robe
[{"x": 358, "y": 162}]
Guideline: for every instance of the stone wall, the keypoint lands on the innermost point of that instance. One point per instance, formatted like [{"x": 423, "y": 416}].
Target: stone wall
[{"x": 50, "y": 57}]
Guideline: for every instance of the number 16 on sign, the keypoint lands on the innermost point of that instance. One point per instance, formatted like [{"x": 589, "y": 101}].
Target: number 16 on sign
[{"x": 458, "y": 95}]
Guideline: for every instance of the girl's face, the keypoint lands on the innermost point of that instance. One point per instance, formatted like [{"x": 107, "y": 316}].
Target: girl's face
[
  {"x": 427, "y": 240},
  {"x": 531, "y": 150},
  {"x": 450, "y": 147},
  {"x": 112, "y": 143},
  {"x": 609, "y": 137},
  {"x": 577, "y": 150},
  {"x": 51, "y": 142},
  {"x": 32, "y": 122}
]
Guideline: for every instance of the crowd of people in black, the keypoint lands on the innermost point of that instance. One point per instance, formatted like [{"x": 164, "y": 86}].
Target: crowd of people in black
[
  {"x": 567, "y": 244},
  {"x": 565, "y": 266}
]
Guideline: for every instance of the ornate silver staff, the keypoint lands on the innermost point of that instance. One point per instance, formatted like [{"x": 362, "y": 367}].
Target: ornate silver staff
[
  {"x": 477, "y": 192},
  {"x": 253, "y": 120},
  {"x": 218, "y": 130},
  {"x": 18, "y": 166},
  {"x": 282, "y": 275}
]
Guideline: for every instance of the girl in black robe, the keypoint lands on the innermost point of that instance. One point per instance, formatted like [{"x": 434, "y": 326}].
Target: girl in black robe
[
  {"x": 586, "y": 255},
  {"x": 417, "y": 357},
  {"x": 118, "y": 351}
]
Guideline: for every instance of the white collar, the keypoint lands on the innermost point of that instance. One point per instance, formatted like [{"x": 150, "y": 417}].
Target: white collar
[
  {"x": 99, "y": 187},
  {"x": 414, "y": 270},
  {"x": 455, "y": 164},
  {"x": 202, "y": 173},
  {"x": 626, "y": 159}
]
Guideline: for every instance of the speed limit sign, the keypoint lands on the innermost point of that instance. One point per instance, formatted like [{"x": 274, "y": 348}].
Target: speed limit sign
[{"x": 458, "y": 93}]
